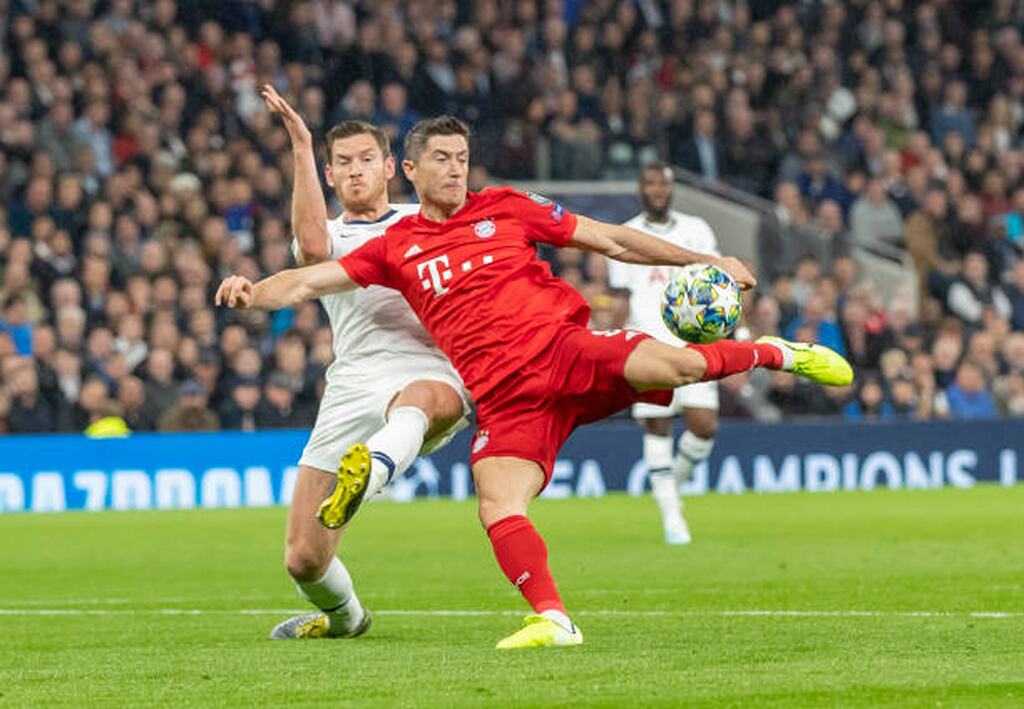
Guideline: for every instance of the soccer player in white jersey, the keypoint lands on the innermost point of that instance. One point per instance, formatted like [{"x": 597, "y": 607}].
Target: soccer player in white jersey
[
  {"x": 698, "y": 403},
  {"x": 389, "y": 385}
]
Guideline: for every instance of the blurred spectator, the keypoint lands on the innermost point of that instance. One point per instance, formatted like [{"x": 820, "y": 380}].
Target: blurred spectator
[
  {"x": 819, "y": 323},
  {"x": 190, "y": 413},
  {"x": 238, "y": 412},
  {"x": 701, "y": 153},
  {"x": 953, "y": 115},
  {"x": 131, "y": 397},
  {"x": 874, "y": 217},
  {"x": 968, "y": 396},
  {"x": 29, "y": 411},
  {"x": 972, "y": 293},
  {"x": 277, "y": 409},
  {"x": 817, "y": 184},
  {"x": 15, "y": 323},
  {"x": 870, "y": 402},
  {"x": 1015, "y": 294}
]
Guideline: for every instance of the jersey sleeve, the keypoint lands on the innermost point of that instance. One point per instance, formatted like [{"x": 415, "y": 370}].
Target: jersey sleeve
[
  {"x": 368, "y": 265},
  {"x": 543, "y": 219}
]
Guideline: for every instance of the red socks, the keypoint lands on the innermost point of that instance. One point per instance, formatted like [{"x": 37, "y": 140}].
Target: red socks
[
  {"x": 727, "y": 357},
  {"x": 523, "y": 557}
]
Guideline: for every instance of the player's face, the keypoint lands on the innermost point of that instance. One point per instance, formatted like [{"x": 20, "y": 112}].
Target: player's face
[
  {"x": 656, "y": 192},
  {"x": 359, "y": 172},
  {"x": 441, "y": 174}
]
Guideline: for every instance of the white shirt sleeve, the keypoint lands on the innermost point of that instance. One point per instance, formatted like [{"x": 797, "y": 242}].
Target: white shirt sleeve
[
  {"x": 618, "y": 273},
  {"x": 700, "y": 234}
]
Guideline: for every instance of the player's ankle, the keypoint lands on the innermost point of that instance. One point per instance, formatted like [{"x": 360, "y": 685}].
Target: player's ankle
[{"x": 559, "y": 617}]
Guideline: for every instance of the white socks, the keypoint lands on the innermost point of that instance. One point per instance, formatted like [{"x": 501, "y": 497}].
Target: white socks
[
  {"x": 693, "y": 450},
  {"x": 664, "y": 488},
  {"x": 395, "y": 446},
  {"x": 334, "y": 594}
]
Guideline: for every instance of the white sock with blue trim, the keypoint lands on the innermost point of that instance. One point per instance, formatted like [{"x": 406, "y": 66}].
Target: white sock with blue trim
[
  {"x": 334, "y": 594},
  {"x": 394, "y": 447}
]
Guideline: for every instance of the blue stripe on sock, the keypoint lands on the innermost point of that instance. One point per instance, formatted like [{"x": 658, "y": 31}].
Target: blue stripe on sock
[{"x": 386, "y": 461}]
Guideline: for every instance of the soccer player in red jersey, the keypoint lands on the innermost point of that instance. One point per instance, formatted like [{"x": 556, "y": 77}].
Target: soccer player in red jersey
[{"x": 518, "y": 337}]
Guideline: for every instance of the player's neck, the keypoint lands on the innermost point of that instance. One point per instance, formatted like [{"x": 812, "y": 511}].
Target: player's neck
[
  {"x": 434, "y": 212},
  {"x": 663, "y": 218},
  {"x": 366, "y": 214}
]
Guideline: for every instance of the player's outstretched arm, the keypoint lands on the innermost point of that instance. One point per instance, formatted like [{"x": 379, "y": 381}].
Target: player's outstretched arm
[
  {"x": 623, "y": 243},
  {"x": 285, "y": 288},
  {"x": 309, "y": 213}
]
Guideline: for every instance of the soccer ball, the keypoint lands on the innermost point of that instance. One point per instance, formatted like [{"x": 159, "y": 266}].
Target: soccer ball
[{"x": 702, "y": 303}]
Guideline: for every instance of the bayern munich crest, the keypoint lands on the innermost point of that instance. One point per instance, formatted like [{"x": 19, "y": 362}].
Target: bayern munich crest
[
  {"x": 480, "y": 440},
  {"x": 484, "y": 229}
]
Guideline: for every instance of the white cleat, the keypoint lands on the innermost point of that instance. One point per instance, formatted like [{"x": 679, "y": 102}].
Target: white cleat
[{"x": 677, "y": 537}]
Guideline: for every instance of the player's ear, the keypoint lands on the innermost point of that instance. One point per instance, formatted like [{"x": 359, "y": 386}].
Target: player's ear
[
  {"x": 329, "y": 175},
  {"x": 389, "y": 167},
  {"x": 409, "y": 168}
]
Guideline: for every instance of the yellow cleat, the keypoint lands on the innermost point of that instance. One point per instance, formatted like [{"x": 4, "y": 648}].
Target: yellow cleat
[
  {"x": 541, "y": 632},
  {"x": 315, "y": 626},
  {"x": 353, "y": 474},
  {"x": 811, "y": 361}
]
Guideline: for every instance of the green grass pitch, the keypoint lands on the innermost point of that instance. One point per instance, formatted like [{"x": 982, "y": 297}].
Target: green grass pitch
[{"x": 911, "y": 598}]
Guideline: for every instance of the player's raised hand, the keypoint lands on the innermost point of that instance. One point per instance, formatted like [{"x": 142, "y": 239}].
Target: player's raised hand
[
  {"x": 235, "y": 292},
  {"x": 293, "y": 123},
  {"x": 739, "y": 272}
]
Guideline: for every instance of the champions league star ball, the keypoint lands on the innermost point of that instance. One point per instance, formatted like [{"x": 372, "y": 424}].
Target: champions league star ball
[{"x": 701, "y": 304}]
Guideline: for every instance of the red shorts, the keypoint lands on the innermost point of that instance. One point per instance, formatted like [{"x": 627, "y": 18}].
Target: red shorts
[{"x": 578, "y": 379}]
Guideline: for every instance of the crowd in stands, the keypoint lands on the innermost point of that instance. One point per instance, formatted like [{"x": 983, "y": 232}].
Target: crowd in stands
[{"x": 138, "y": 167}]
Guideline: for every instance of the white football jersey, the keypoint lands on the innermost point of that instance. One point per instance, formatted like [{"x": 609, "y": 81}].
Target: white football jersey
[
  {"x": 376, "y": 334},
  {"x": 646, "y": 284}
]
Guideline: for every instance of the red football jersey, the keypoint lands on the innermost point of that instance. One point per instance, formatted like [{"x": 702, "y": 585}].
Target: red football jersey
[{"x": 476, "y": 283}]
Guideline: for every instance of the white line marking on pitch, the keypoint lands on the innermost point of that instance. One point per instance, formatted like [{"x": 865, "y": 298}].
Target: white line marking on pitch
[{"x": 749, "y": 613}]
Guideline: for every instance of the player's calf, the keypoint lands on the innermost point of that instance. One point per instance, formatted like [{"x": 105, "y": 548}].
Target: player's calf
[{"x": 320, "y": 577}]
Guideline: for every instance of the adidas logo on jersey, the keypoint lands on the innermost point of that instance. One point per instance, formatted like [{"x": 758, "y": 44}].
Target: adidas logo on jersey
[{"x": 414, "y": 250}]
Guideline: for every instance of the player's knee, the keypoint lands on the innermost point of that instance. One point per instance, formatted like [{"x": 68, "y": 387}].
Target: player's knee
[
  {"x": 696, "y": 447},
  {"x": 440, "y": 402},
  {"x": 304, "y": 564},
  {"x": 491, "y": 510},
  {"x": 705, "y": 429}
]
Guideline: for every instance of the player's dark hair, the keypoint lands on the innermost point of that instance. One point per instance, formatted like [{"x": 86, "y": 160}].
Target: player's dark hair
[
  {"x": 416, "y": 140},
  {"x": 346, "y": 129}
]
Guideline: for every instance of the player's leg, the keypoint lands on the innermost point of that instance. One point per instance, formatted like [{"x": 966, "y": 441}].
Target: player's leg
[
  {"x": 318, "y": 573},
  {"x": 504, "y": 487},
  {"x": 697, "y": 442},
  {"x": 654, "y": 365},
  {"x": 421, "y": 411},
  {"x": 664, "y": 486}
]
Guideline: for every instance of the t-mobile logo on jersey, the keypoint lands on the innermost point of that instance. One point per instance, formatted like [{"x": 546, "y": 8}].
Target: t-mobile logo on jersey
[{"x": 439, "y": 272}]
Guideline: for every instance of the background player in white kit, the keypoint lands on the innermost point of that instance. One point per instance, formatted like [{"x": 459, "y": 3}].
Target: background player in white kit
[
  {"x": 698, "y": 402},
  {"x": 389, "y": 385}
]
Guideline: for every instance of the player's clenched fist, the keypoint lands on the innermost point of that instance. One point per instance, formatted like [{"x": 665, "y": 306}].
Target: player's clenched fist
[
  {"x": 235, "y": 292},
  {"x": 739, "y": 272}
]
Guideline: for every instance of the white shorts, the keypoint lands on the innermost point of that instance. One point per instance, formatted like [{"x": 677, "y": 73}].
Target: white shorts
[
  {"x": 700, "y": 395},
  {"x": 351, "y": 414}
]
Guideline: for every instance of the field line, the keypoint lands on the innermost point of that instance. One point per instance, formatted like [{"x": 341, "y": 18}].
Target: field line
[{"x": 739, "y": 613}]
